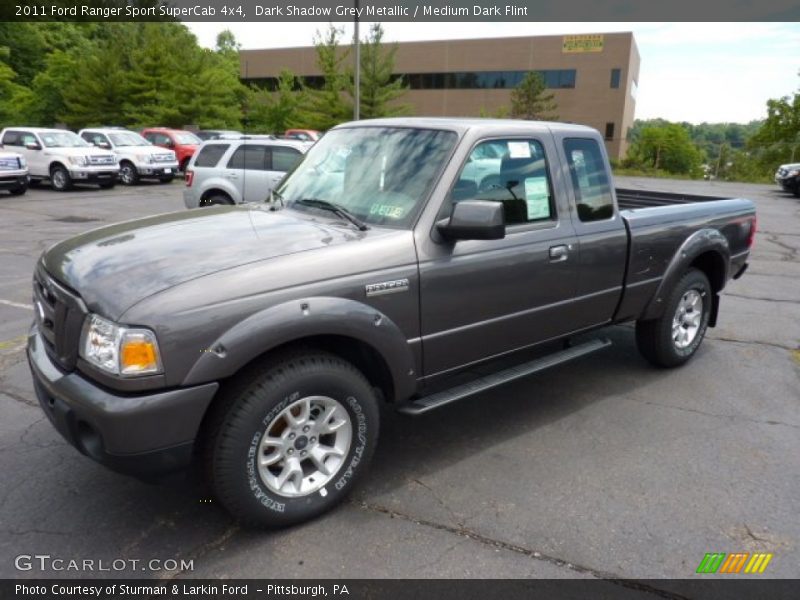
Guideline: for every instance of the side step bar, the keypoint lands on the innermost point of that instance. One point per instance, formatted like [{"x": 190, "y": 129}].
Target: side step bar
[{"x": 481, "y": 384}]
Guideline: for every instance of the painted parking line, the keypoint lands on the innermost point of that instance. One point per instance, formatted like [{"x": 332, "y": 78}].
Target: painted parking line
[
  {"x": 16, "y": 304},
  {"x": 13, "y": 344}
]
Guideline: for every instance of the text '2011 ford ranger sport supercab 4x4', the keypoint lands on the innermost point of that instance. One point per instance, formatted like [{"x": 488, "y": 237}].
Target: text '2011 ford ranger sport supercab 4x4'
[{"x": 396, "y": 255}]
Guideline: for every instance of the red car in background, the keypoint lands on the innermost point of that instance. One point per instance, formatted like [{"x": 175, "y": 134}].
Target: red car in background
[
  {"x": 183, "y": 143},
  {"x": 304, "y": 135}
]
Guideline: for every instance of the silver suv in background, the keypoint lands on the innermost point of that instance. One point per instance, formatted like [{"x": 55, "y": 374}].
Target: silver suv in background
[
  {"x": 138, "y": 158},
  {"x": 233, "y": 171}
]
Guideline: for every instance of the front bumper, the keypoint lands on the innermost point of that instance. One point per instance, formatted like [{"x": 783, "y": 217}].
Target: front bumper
[
  {"x": 13, "y": 179},
  {"x": 157, "y": 169},
  {"x": 143, "y": 435},
  {"x": 93, "y": 175}
]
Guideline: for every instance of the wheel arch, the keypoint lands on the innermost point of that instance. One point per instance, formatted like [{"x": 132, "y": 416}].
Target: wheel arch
[
  {"x": 706, "y": 250},
  {"x": 352, "y": 330}
]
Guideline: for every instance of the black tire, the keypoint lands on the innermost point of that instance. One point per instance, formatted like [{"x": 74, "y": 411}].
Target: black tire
[
  {"x": 243, "y": 414},
  {"x": 19, "y": 190},
  {"x": 60, "y": 179},
  {"x": 108, "y": 185},
  {"x": 128, "y": 174},
  {"x": 654, "y": 338},
  {"x": 166, "y": 178},
  {"x": 216, "y": 199}
]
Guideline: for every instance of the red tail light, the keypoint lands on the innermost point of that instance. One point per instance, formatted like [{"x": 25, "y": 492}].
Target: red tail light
[
  {"x": 751, "y": 237},
  {"x": 189, "y": 177}
]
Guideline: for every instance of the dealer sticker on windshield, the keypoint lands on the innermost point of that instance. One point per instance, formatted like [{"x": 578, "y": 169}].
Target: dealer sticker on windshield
[{"x": 387, "y": 210}]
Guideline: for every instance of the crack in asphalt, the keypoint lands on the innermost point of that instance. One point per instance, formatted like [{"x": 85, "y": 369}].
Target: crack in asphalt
[
  {"x": 715, "y": 415},
  {"x": 204, "y": 549},
  {"x": 534, "y": 554},
  {"x": 754, "y": 342},
  {"x": 761, "y": 298}
]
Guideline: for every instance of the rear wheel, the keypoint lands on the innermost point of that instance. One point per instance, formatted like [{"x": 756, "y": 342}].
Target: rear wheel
[
  {"x": 672, "y": 339},
  {"x": 287, "y": 441},
  {"x": 128, "y": 174},
  {"x": 60, "y": 179},
  {"x": 216, "y": 199}
]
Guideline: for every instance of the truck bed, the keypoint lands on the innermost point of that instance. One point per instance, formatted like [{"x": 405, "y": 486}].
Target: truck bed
[{"x": 631, "y": 199}]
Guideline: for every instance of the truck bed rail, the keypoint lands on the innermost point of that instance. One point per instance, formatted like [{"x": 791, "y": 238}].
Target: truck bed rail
[{"x": 630, "y": 198}]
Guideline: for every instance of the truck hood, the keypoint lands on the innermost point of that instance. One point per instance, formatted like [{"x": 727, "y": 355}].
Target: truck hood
[{"x": 114, "y": 267}]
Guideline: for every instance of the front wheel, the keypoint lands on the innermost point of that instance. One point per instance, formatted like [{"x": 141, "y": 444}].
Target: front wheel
[
  {"x": 19, "y": 190},
  {"x": 289, "y": 440},
  {"x": 60, "y": 179},
  {"x": 672, "y": 339},
  {"x": 128, "y": 174}
]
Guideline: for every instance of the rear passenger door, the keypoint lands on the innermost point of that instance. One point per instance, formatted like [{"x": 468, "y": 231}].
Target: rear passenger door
[
  {"x": 602, "y": 236},
  {"x": 284, "y": 159},
  {"x": 248, "y": 171}
]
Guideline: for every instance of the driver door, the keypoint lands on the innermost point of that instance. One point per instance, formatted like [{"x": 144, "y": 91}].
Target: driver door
[{"x": 482, "y": 298}]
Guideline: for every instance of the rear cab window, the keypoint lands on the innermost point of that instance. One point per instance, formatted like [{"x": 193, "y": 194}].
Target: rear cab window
[
  {"x": 210, "y": 154},
  {"x": 511, "y": 171},
  {"x": 589, "y": 178}
]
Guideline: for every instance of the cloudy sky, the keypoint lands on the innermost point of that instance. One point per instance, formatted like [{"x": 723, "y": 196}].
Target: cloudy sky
[{"x": 692, "y": 72}]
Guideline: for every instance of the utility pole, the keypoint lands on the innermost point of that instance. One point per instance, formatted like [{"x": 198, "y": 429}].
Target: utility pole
[{"x": 357, "y": 69}]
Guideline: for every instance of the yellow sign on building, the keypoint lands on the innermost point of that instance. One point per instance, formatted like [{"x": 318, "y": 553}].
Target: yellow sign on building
[{"x": 573, "y": 44}]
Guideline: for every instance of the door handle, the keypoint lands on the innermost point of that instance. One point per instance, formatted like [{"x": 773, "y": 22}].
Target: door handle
[{"x": 559, "y": 253}]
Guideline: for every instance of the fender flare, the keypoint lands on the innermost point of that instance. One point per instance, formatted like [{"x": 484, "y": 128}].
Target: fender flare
[
  {"x": 302, "y": 318},
  {"x": 700, "y": 242}
]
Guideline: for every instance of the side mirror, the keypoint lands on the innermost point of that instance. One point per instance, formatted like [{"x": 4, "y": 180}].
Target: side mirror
[
  {"x": 105, "y": 145},
  {"x": 474, "y": 220},
  {"x": 169, "y": 144},
  {"x": 33, "y": 146}
]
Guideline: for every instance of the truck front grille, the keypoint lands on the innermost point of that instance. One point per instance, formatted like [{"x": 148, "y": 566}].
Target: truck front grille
[
  {"x": 163, "y": 158},
  {"x": 59, "y": 315},
  {"x": 9, "y": 164},
  {"x": 102, "y": 160}
]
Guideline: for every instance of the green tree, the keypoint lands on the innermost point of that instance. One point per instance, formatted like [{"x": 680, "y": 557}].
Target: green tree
[
  {"x": 666, "y": 147},
  {"x": 778, "y": 139},
  {"x": 380, "y": 89},
  {"x": 277, "y": 111},
  {"x": 328, "y": 105},
  {"x": 530, "y": 100}
]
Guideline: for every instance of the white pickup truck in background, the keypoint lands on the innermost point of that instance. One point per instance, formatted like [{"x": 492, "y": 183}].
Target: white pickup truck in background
[
  {"x": 138, "y": 158},
  {"x": 13, "y": 173},
  {"x": 61, "y": 157}
]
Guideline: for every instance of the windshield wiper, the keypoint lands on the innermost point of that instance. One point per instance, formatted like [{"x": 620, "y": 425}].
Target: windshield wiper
[{"x": 336, "y": 209}]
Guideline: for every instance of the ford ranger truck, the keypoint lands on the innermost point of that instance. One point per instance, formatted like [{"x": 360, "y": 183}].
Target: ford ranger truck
[{"x": 399, "y": 255}]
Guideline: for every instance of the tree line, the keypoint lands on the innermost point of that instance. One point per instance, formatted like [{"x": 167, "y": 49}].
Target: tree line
[{"x": 144, "y": 74}]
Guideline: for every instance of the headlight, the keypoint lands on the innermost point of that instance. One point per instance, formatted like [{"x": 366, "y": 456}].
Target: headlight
[
  {"x": 119, "y": 350},
  {"x": 144, "y": 158},
  {"x": 81, "y": 161}
]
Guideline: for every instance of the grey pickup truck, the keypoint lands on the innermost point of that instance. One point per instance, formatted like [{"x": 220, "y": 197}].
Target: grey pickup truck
[{"x": 260, "y": 341}]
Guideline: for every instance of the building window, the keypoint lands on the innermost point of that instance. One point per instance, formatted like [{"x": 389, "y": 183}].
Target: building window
[
  {"x": 616, "y": 74},
  {"x": 461, "y": 80},
  {"x": 609, "y": 131}
]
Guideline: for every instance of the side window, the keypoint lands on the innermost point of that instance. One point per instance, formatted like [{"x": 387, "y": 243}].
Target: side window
[
  {"x": 513, "y": 172},
  {"x": 149, "y": 137},
  {"x": 26, "y": 137},
  {"x": 251, "y": 157},
  {"x": 284, "y": 159},
  {"x": 11, "y": 138},
  {"x": 162, "y": 140},
  {"x": 95, "y": 138},
  {"x": 589, "y": 179},
  {"x": 210, "y": 154}
]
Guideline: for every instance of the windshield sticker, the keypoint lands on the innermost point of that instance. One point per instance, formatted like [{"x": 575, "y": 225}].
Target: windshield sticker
[
  {"x": 537, "y": 196},
  {"x": 387, "y": 210},
  {"x": 519, "y": 150}
]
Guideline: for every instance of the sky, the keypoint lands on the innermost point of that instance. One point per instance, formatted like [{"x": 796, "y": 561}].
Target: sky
[{"x": 695, "y": 72}]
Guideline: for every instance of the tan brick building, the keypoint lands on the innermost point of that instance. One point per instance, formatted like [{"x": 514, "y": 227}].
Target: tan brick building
[{"x": 593, "y": 77}]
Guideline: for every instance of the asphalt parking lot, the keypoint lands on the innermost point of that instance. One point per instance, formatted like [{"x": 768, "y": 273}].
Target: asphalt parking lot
[{"x": 605, "y": 467}]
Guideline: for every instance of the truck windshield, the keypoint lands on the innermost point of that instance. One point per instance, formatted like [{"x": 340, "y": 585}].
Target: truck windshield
[
  {"x": 380, "y": 175},
  {"x": 128, "y": 138},
  {"x": 62, "y": 139}
]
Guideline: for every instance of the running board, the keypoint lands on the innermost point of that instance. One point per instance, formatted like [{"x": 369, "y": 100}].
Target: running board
[{"x": 481, "y": 384}]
